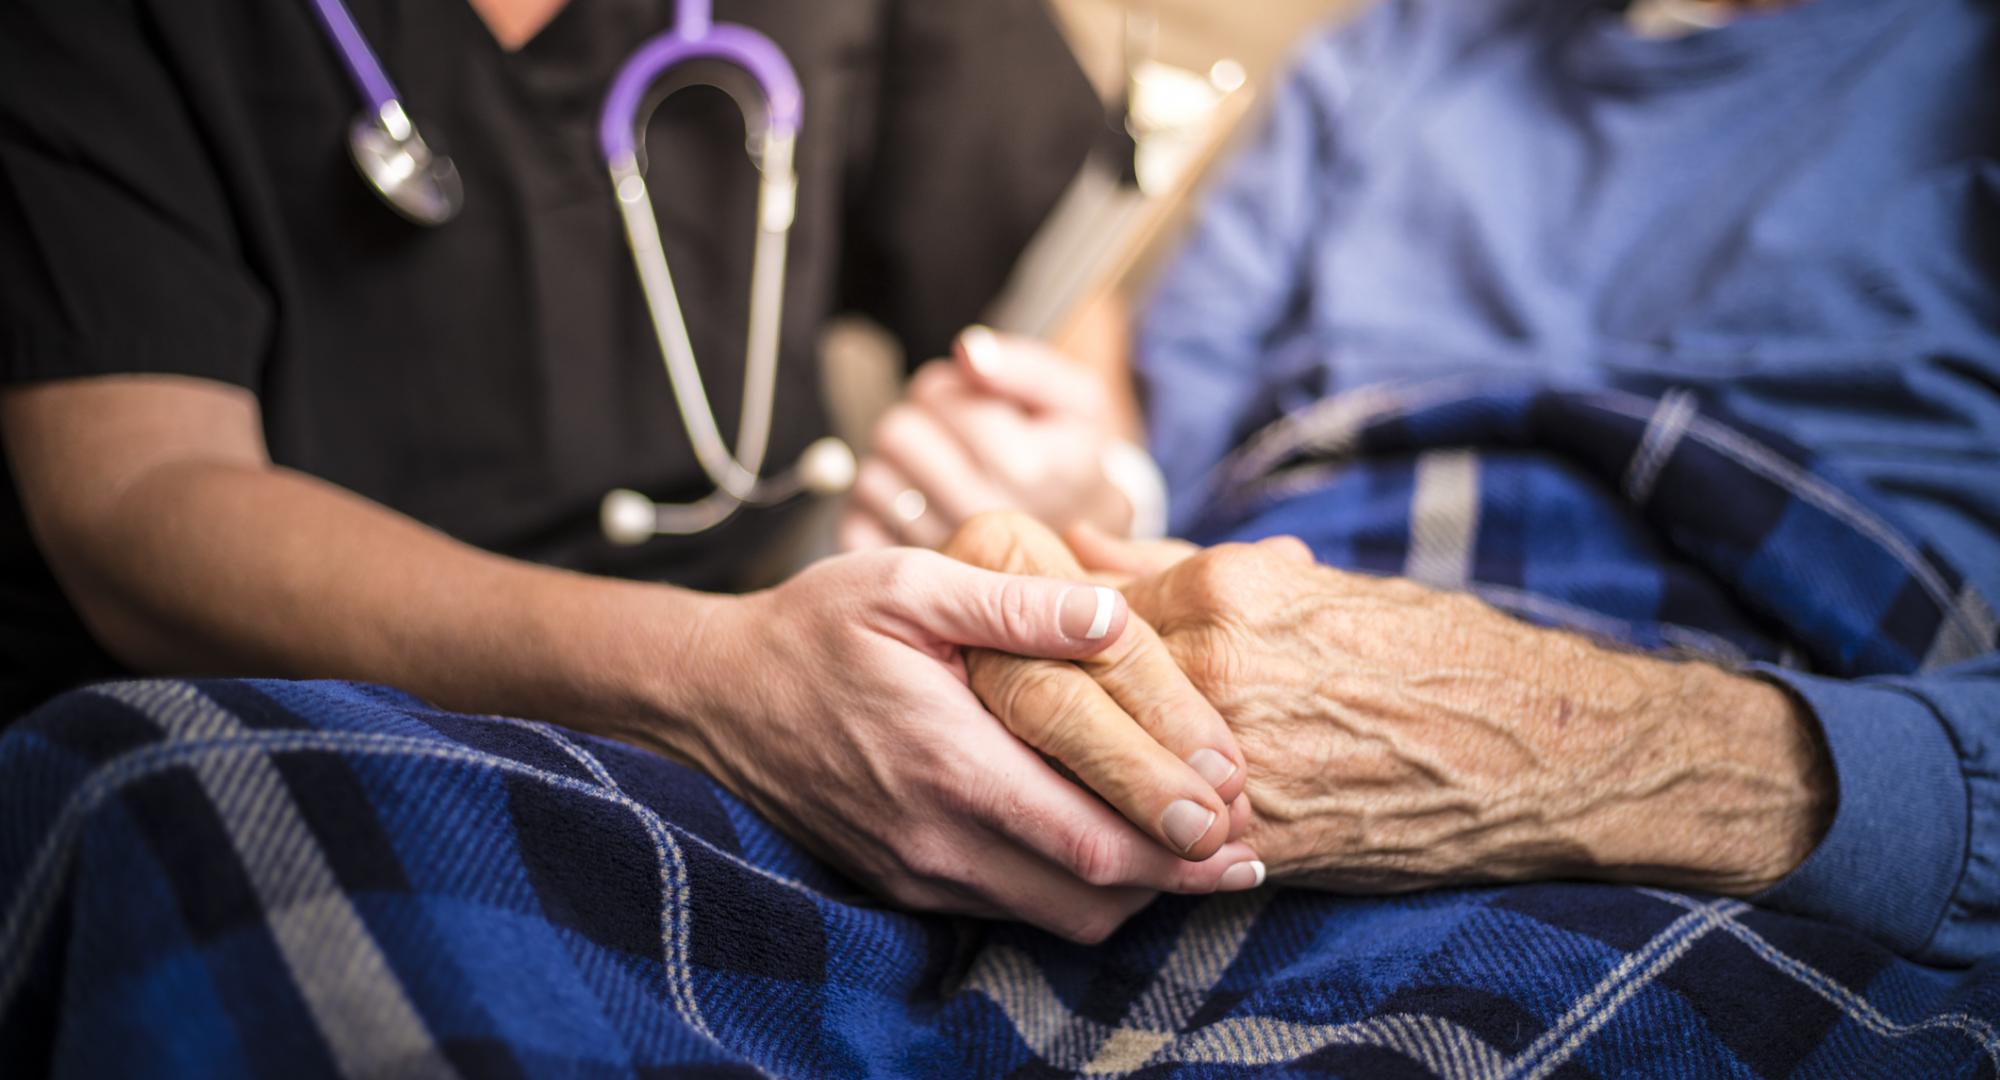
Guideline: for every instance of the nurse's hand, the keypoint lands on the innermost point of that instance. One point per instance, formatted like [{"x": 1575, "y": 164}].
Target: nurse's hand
[
  {"x": 1005, "y": 424},
  {"x": 1124, "y": 720},
  {"x": 837, "y": 706}
]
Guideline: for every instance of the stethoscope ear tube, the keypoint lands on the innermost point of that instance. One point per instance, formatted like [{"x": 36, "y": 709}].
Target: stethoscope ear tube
[
  {"x": 425, "y": 188},
  {"x": 389, "y": 152},
  {"x": 828, "y": 467}
]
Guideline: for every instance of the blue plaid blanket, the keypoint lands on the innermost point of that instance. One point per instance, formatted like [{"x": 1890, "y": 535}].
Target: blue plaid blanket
[{"x": 229, "y": 878}]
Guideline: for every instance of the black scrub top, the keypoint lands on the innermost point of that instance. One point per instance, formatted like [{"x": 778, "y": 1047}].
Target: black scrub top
[{"x": 176, "y": 197}]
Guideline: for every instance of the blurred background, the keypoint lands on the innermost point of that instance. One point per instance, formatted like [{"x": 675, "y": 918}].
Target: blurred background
[
  {"x": 1179, "y": 79},
  {"x": 1192, "y": 34}
]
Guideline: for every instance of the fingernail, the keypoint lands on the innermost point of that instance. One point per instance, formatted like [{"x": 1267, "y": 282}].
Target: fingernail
[
  {"x": 982, "y": 348},
  {"x": 1186, "y": 823},
  {"x": 1242, "y": 877},
  {"x": 1087, "y": 612},
  {"x": 1212, "y": 766}
]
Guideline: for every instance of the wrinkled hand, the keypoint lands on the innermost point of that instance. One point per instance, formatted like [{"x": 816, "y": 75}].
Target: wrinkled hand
[
  {"x": 837, "y": 706},
  {"x": 1006, "y": 424},
  {"x": 1124, "y": 721},
  {"x": 1399, "y": 737}
]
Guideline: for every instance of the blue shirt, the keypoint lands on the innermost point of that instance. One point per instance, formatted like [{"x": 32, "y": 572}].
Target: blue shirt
[{"x": 1797, "y": 214}]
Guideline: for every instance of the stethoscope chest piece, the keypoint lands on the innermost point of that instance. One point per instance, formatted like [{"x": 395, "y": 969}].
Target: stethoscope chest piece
[
  {"x": 417, "y": 183},
  {"x": 424, "y": 187}
]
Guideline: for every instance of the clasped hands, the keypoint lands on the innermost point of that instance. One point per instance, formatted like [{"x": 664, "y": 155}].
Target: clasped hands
[
  {"x": 945, "y": 728},
  {"x": 1396, "y": 737}
]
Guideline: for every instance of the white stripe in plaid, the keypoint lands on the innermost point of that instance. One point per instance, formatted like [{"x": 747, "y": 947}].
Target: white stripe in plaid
[
  {"x": 357, "y": 1001},
  {"x": 1210, "y": 945}
]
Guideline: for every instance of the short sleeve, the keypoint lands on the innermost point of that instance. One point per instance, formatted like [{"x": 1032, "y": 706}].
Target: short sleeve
[
  {"x": 983, "y": 119},
  {"x": 119, "y": 251}
]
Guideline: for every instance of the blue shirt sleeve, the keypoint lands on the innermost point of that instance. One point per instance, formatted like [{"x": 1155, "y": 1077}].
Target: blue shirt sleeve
[
  {"x": 1898, "y": 394},
  {"x": 1913, "y": 856}
]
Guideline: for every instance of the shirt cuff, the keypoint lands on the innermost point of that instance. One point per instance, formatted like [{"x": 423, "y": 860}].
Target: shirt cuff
[
  {"x": 1897, "y": 849},
  {"x": 1135, "y": 475}
]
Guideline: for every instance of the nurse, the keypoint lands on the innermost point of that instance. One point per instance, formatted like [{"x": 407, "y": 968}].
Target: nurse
[{"x": 256, "y": 424}]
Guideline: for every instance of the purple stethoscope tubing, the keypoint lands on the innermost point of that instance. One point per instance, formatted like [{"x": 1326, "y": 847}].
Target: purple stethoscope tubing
[
  {"x": 355, "y": 54},
  {"x": 695, "y": 37},
  {"x": 424, "y": 187}
]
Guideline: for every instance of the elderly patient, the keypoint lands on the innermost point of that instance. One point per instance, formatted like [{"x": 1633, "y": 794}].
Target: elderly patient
[
  {"x": 1745, "y": 259},
  {"x": 1399, "y": 737},
  {"x": 1589, "y": 442}
]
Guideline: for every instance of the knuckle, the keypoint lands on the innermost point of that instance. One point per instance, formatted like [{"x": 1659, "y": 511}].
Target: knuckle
[
  {"x": 1232, "y": 562},
  {"x": 1004, "y": 525},
  {"x": 957, "y": 787},
  {"x": 1098, "y": 857},
  {"x": 1227, "y": 577},
  {"x": 1210, "y": 572},
  {"x": 932, "y": 379},
  {"x": 1289, "y": 549},
  {"x": 1131, "y": 672},
  {"x": 903, "y": 577},
  {"x": 986, "y": 539},
  {"x": 928, "y": 858},
  {"x": 1018, "y": 612},
  {"x": 875, "y": 477},
  {"x": 986, "y": 528},
  {"x": 1030, "y": 698},
  {"x": 898, "y": 429},
  {"x": 1210, "y": 660}
]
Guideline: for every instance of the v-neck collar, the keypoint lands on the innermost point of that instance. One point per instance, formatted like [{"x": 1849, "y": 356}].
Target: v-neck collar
[
  {"x": 553, "y": 25},
  {"x": 566, "y": 67}
]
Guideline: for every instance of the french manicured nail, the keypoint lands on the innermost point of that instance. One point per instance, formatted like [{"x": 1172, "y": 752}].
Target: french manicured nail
[
  {"x": 1212, "y": 766},
  {"x": 1241, "y": 877},
  {"x": 1087, "y": 611},
  {"x": 982, "y": 348},
  {"x": 1186, "y": 823}
]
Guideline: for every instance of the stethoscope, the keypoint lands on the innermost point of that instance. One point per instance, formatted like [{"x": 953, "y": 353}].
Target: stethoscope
[{"x": 424, "y": 187}]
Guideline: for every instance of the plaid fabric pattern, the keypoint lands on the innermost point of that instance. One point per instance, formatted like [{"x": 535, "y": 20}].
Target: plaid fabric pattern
[
  {"x": 283, "y": 879},
  {"x": 1656, "y": 522},
  {"x": 231, "y": 879},
  {"x": 226, "y": 878}
]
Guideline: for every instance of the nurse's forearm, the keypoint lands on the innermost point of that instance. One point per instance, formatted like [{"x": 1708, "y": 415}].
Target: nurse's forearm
[
  {"x": 187, "y": 552},
  {"x": 245, "y": 571},
  {"x": 834, "y": 704}
]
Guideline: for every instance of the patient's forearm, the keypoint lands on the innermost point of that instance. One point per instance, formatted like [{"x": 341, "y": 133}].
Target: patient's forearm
[
  {"x": 1730, "y": 792},
  {"x": 1399, "y": 737},
  {"x": 1532, "y": 754}
]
